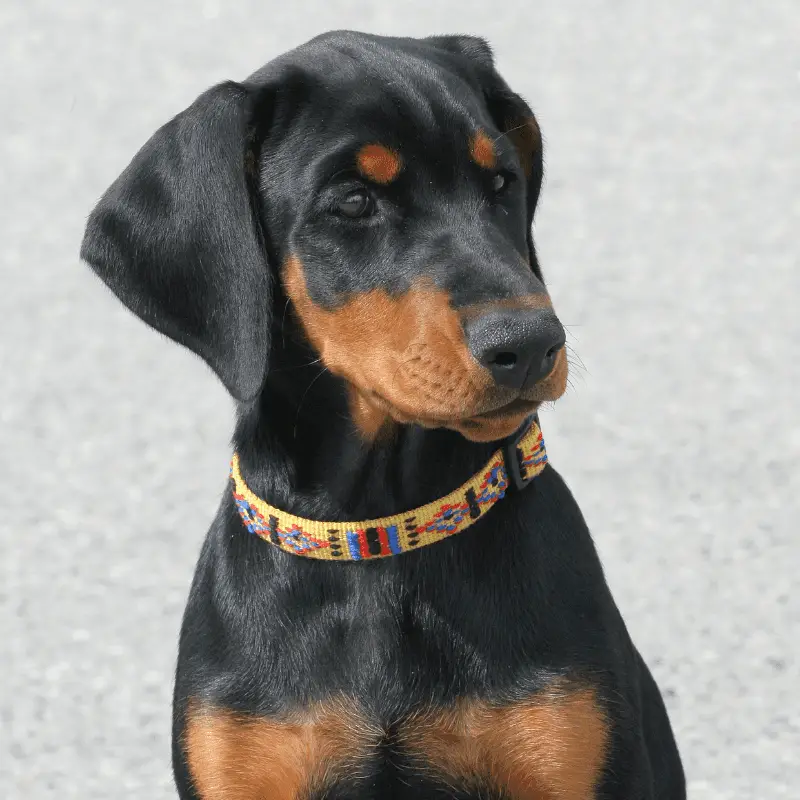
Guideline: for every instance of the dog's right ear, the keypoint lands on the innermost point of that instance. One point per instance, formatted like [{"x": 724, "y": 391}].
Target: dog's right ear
[{"x": 177, "y": 237}]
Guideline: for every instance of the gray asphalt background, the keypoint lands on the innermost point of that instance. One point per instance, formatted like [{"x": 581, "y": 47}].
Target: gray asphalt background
[{"x": 668, "y": 230}]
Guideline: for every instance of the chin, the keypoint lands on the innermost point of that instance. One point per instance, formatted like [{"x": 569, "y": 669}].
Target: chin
[{"x": 489, "y": 428}]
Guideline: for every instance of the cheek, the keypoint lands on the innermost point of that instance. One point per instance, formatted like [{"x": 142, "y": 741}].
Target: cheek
[
  {"x": 405, "y": 352},
  {"x": 355, "y": 337},
  {"x": 405, "y": 358}
]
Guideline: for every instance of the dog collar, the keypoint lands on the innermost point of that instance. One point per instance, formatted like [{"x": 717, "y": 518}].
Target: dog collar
[{"x": 515, "y": 464}]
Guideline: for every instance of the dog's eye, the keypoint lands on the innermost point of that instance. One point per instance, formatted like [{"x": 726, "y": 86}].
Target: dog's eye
[
  {"x": 500, "y": 182},
  {"x": 356, "y": 204}
]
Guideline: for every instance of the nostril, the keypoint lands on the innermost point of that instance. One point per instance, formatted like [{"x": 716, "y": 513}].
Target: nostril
[
  {"x": 551, "y": 353},
  {"x": 505, "y": 360}
]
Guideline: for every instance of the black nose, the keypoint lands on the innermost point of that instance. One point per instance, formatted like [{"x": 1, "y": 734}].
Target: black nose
[{"x": 518, "y": 346}]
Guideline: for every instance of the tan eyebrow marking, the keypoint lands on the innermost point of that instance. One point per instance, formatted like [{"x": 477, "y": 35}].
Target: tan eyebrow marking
[
  {"x": 378, "y": 163},
  {"x": 481, "y": 150}
]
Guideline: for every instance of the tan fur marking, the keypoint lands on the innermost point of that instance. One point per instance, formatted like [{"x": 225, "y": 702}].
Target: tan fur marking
[
  {"x": 406, "y": 351},
  {"x": 234, "y": 756},
  {"x": 374, "y": 422},
  {"x": 551, "y": 747},
  {"x": 406, "y": 358},
  {"x": 378, "y": 163},
  {"x": 538, "y": 300},
  {"x": 527, "y": 139},
  {"x": 481, "y": 150}
]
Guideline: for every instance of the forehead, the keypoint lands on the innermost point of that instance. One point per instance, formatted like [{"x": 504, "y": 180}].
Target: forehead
[{"x": 412, "y": 100}]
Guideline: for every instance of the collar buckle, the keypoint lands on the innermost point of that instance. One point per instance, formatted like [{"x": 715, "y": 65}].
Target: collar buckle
[{"x": 513, "y": 455}]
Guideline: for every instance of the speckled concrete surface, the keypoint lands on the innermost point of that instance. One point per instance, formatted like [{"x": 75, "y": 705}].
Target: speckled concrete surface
[{"x": 669, "y": 232}]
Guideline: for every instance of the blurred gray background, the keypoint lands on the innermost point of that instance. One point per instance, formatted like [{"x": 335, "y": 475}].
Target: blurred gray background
[{"x": 668, "y": 230}]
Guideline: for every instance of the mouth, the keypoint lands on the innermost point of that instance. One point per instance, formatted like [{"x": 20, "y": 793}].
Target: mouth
[
  {"x": 515, "y": 408},
  {"x": 490, "y": 414},
  {"x": 484, "y": 426}
]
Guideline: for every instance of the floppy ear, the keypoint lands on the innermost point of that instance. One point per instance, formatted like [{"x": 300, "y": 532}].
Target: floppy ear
[
  {"x": 177, "y": 237},
  {"x": 510, "y": 113}
]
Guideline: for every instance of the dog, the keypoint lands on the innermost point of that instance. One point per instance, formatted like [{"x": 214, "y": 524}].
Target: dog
[{"x": 346, "y": 239}]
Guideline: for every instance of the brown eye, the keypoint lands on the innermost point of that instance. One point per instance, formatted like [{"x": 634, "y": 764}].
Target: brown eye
[
  {"x": 499, "y": 182},
  {"x": 356, "y": 204}
]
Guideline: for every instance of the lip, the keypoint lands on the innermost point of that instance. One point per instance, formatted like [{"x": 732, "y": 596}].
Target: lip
[{"x": 516, "y": 408}]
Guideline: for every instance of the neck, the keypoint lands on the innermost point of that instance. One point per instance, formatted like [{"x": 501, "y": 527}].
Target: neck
[{"x": 301, "y": 450}]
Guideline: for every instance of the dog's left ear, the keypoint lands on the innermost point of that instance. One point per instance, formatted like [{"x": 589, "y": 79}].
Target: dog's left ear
[
  {"x": 177, "y": 237},
  {"x": 510, "y": 113}
]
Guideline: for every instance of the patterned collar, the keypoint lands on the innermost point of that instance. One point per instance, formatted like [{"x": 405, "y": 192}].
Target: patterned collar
[{"x": 516, "y": 463}]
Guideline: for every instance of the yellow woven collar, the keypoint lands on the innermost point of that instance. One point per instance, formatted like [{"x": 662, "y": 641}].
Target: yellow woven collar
[{"x": 517, "y": 463}]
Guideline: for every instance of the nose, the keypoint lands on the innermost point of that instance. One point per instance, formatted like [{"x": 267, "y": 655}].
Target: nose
[{"x": 518, "y": 346}]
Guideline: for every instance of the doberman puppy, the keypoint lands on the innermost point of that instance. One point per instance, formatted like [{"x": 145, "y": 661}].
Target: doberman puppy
[{"x": 345, "y": 237}]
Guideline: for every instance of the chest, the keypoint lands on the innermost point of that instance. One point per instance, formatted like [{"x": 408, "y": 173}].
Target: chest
[{"x": 553, "y": 745}]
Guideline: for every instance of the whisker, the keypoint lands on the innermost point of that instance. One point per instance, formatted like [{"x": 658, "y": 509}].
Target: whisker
[
  {"x": 505, "y": 133},
  {"x": 568, "y": 331},
  {"x": 283, "y": 323},
  {"x": 299, "y": 366},
  {"x": 573, "y": 359}
]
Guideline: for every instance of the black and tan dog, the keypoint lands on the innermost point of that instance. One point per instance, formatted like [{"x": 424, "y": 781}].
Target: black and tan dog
[{"x": 345, "y": 237}]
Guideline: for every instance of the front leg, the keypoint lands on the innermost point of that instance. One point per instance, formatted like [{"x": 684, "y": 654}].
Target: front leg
[
  {"x": 643, "y": 761},
  {"x": 669, "y": 782}
]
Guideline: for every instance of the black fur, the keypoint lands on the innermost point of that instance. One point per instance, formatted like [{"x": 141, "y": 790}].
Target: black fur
[{"x": 191, "y": 238}]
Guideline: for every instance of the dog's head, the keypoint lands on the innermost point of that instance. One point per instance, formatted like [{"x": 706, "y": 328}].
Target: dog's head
[{"x": 386, "y": 187}]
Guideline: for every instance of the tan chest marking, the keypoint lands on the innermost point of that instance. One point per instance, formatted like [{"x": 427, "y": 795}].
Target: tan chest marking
[
  {"x": 551, "y": 747},
  {"x": 235, "y": 756}
]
